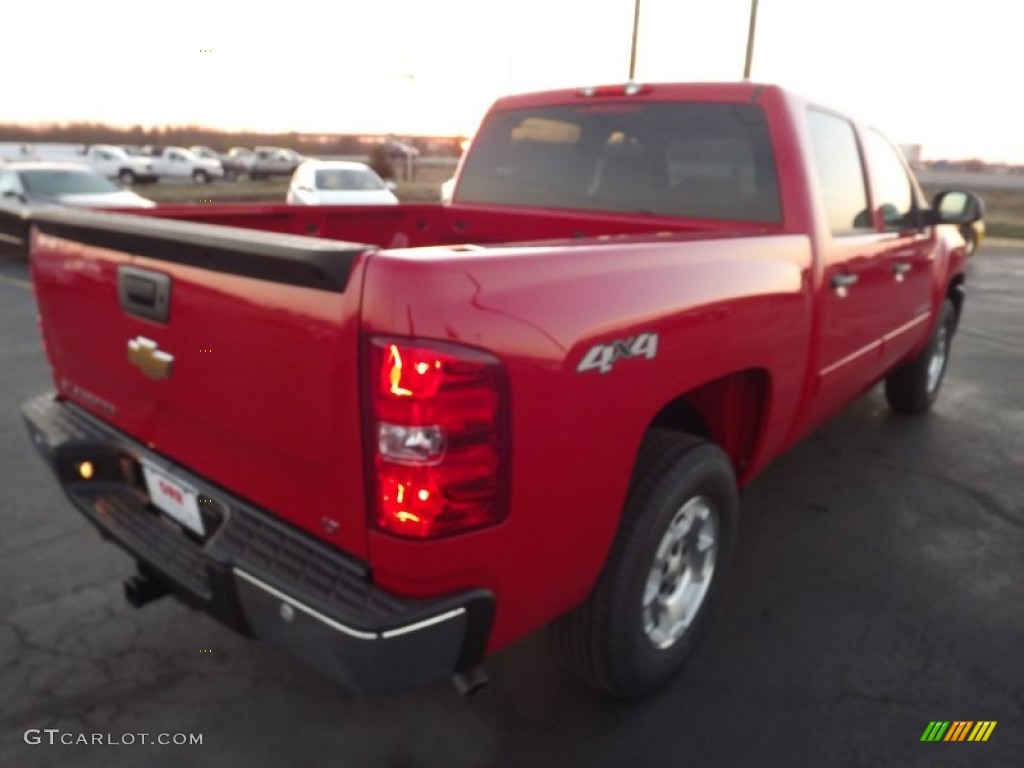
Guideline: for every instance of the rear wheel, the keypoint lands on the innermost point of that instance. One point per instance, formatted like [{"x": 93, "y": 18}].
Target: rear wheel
[
  {"x": 913, "y": 388},
  {"x": 654, "y": 596}
]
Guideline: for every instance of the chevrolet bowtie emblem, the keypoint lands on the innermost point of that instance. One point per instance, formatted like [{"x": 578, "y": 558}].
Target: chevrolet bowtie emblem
[{"x": 144, "y": 355}]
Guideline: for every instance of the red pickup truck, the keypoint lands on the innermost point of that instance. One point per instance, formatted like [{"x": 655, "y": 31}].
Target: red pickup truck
[{"x": 392, "y": 440}]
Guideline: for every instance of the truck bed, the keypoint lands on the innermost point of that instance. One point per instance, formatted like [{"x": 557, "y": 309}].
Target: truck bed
[{"x": 413, "y": 225}]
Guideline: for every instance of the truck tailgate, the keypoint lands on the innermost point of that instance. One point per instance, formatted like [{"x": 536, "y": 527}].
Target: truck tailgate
[{"x": 230, "y": 352}]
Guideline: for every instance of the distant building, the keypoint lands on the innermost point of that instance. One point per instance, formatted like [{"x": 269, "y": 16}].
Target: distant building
[{"x": 913, "y": 154}]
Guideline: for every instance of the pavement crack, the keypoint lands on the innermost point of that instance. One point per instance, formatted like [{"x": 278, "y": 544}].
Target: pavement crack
[
  {"x": 984, "y": 500},
  {"x": 875, "y": 698},
  {"x": 992, "y": 339},
  {"x": 23, "y": 548}
]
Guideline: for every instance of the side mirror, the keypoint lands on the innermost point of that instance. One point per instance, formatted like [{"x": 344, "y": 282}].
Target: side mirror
[
  {"x": 956, "y": 207},
  {"x": 391, "y": 185}
]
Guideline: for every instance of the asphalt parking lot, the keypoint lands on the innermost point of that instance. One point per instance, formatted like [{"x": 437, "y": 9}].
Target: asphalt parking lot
[{"x": 878, "y": 586}]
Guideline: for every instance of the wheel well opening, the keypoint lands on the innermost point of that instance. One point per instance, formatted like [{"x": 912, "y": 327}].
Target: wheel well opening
[
  {"x": 681, "y": 416},
  {"x": 728, "y": 411}
]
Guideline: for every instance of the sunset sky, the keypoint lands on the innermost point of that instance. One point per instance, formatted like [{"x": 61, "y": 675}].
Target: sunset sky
[{"x": 940, "y": 73}]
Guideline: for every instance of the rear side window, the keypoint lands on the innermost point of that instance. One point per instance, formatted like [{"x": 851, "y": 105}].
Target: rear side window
[
  {"x": 701, "y": 160},
  {"x": 840, "y": 173}
]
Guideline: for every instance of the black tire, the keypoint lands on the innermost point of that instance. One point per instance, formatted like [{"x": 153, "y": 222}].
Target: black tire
[
  {"x": 126, "y": 176},
  {"x": 200, "y": 176},
  {"x": 612, "y": 639},
  {"x": 912, "y": 388}
]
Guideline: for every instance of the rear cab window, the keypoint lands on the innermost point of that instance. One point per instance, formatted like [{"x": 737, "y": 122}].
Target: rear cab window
[{"x": 696, "y": 159}]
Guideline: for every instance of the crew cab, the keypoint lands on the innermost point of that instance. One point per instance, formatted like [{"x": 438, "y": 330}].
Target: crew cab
[
  {"x": 273, "y": 161},
  {"x": 394, "y": 439},
  {"x": 114, "y": 162},
  {"x": 182, "y": 163},
  {"x": 237, "y": 161}
]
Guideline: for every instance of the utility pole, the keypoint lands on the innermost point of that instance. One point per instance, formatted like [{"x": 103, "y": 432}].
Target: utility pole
[
  {"x": 632, "y": 52},
  {"x": 750, "y": 38}
]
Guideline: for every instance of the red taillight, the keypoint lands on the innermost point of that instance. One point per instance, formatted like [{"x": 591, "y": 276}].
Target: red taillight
[
  {"x": 410, "y": 372},
  {"x": 438, "y": 438}
]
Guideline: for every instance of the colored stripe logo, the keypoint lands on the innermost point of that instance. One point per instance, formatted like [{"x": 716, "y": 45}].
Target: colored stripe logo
[{"x": 958, "y": 730}]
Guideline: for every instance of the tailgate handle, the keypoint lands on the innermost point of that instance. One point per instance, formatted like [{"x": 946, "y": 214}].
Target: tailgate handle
[
  {"x": 144, "y": 293},
  {"x": 139, "y": 291}
]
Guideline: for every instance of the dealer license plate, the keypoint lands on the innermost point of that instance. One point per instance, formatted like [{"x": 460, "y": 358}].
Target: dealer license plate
[{"x": 173, "y": 498}]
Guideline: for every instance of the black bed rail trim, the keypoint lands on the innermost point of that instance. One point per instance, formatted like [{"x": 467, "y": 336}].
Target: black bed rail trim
[{"x": 281, "y": 258}]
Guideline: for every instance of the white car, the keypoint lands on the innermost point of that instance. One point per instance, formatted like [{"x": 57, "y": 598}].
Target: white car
[
  {"x": 31, "y": 184},
  {"x": 333, "y": 182},
  {"x": 27, "y": 186}
]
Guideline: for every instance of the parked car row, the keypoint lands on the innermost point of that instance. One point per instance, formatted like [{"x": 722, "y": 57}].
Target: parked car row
[
  {"x": 72, "y": 171},
  {"x": 257, "y": 163},
  {"x": 106, "y": 159},
  {"x": 131, "y": 165},
  {"x": 29, "y": 185}
]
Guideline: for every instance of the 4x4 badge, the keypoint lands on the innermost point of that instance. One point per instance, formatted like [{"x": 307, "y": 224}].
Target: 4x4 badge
[
  {"x": 602, "y": 357},
  {"x": 144, "y": 355}
]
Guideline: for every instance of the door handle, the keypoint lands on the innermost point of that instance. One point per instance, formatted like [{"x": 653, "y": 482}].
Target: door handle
[
  {"x": 844, "y": 280},
  {"x": 899, "y": 270}
]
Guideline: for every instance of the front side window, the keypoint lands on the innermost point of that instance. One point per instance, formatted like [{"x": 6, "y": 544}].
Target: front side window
[
  {"x": 700, "y": 160},
  {"x": 894, "y": 196},
  {"x": 840, "y": 173}
]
